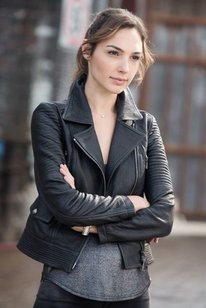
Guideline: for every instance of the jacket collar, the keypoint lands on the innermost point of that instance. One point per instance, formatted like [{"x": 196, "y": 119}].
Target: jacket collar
[{"x": 78, "y": 110}]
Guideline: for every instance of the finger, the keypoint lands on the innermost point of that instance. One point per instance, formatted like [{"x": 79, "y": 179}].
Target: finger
[
  {"x": 62, "y": 170},
  {"x": 65, "y": 172},
  {"x": 93, "y": 230},
  {"x": 156, "y": 240},
  {"x": 77, "y": 228},
  {"x": 69, "y": 176},
  {"x": 64, "y": 167},
  {"x": 69, "y": 180}
]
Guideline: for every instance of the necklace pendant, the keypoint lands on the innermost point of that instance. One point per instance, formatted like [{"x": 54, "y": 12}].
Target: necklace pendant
[{"x": 102, "y": 116}]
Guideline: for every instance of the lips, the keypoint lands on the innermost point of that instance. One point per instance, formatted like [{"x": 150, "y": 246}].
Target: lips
[{"x": 119, "y": 81}]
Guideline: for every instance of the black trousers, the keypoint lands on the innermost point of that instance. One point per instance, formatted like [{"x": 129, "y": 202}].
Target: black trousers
[{"x": 52, "y": 296}]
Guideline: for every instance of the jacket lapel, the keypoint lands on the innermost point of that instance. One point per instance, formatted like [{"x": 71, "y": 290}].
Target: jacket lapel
[
  {"x": 88, "y": 142},
  {"x": 78, "y": 111},
  {"x": 125, "y": 137}
]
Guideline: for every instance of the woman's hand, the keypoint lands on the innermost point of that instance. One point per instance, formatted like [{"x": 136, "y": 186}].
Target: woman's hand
[
  {"x": 155, "y": 240},
  {"x": 67, "y": 175},
  {"x": 139, "y": 202},
  {"x": 80, "y": 229}
]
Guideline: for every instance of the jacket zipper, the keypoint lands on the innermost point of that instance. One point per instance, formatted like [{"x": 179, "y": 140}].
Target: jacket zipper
[
  {"x": 136, "y": 172},
  {"x": 86, "y": 241},
  {"x": 146, "y": 159},
  {"x": 80, "y": 253},
  {"x": 143, "y": 258},
  {"x": 146, "y": 162},
  {"x": 76, "y": 141}
]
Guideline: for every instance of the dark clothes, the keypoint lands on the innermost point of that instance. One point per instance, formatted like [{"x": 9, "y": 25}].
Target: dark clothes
[
  {"x": 52, "y": 296},
  {"x": 63, "y": 132},
  {"x": 99, "y": 275}
]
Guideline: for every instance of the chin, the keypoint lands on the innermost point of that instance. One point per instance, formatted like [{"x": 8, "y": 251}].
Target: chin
[{"x": 117, "y": 90}]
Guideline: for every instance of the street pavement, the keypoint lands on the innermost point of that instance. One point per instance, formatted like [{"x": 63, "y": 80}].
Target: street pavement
[{"x": 178, "y": 274}]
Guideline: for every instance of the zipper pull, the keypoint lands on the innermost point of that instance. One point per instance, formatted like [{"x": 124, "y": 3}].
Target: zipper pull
[
  {"x": 146, "y": 162},
  {"x": 143, "y": 260},
  {"x": 74, "y": 265}
]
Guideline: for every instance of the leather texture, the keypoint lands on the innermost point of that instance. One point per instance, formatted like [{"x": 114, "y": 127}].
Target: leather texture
[{"x": 63, "y": 132}]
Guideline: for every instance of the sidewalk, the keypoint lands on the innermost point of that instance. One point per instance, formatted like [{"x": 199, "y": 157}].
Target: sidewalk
[
  {"x": 178, "y": 274},
  {"x": 182, "y": 227}
]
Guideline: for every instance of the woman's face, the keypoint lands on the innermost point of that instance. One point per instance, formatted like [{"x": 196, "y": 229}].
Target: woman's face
[{"x": 115, "y": 61}]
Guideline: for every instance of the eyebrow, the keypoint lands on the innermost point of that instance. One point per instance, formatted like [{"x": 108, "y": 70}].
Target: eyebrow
[{"x": 119, "y": 49}]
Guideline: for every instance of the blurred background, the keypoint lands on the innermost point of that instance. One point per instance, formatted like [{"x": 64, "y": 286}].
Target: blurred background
[{"x": 38, "y": 44}]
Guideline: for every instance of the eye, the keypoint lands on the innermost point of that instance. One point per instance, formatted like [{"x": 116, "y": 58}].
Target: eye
[
  {"x": 113, "y": 52},
  {"x": 136, "y": 58}
]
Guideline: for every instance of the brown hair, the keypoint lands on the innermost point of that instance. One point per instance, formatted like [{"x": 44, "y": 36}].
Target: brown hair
[{"x": 105, "y": 24}]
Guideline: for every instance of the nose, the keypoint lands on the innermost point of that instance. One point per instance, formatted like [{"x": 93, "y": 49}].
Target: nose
[{"x": 124, "y": 65}]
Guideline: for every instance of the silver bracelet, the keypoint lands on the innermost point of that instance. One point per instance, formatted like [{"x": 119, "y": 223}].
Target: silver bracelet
[{"x": 86, "y": 230}]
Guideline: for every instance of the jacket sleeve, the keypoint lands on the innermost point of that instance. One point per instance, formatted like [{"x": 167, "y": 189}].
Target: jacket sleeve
[
  {"x": 69, "y": 206},
  {"x": 157, "y": 219}
]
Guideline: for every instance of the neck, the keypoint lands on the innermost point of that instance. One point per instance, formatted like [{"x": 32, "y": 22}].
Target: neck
[{"x": 99, "y": 101}]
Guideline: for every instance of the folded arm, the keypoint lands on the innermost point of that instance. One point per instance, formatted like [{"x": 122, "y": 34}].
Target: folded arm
[
  {"x": 157, "y": 219},
  {"x": 138, "y": 202},
  {"x": 68, "y": 205}
]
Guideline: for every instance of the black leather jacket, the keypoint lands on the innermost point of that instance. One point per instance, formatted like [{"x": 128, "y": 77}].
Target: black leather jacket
[{"x": 63, "y": 132}]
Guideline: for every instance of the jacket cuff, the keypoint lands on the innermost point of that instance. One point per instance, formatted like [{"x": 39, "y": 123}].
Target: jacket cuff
[
  {"x": 130, "y": 207},
  {"x": 101, "y": 232}
]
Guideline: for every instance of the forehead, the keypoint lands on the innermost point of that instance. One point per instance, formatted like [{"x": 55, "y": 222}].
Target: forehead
[{"x": 127, "y": 39}]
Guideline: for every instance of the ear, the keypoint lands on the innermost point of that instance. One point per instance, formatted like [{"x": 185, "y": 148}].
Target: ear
[{"x": 86, "y": 51}]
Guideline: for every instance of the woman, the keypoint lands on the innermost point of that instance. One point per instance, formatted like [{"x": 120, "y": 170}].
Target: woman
[{"x": 96, "y": 157}]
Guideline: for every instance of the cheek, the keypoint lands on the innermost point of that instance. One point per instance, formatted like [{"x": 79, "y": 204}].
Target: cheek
[
  {"x": 102, "y": 66},
  {"x": 101, "y": 63},
  {"x": 134, "y": 70}
]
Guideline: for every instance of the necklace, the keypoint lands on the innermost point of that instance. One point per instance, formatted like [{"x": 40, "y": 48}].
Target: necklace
[{"x": 101, "y": 115}]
